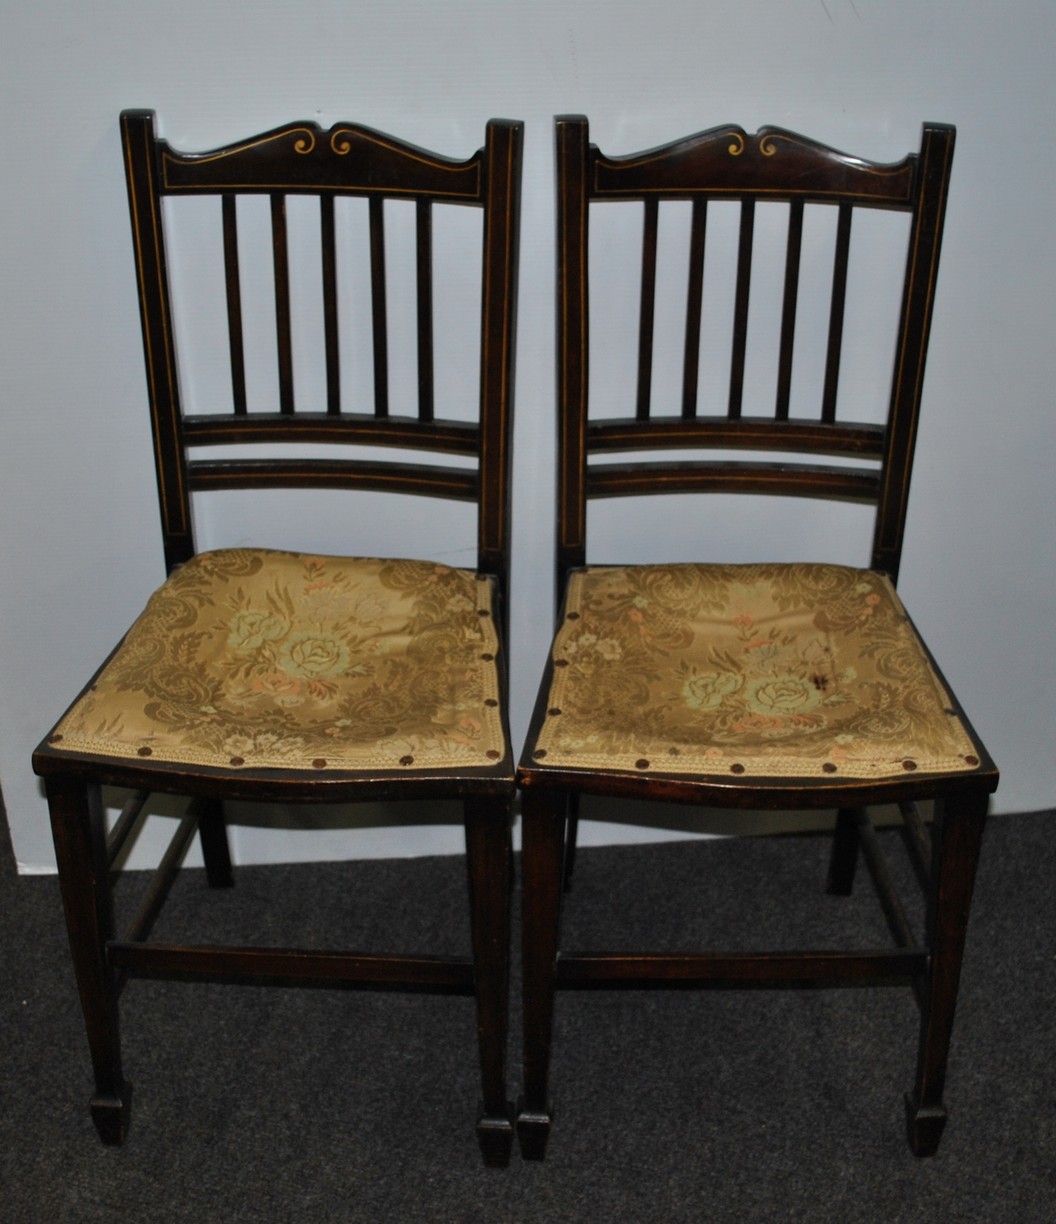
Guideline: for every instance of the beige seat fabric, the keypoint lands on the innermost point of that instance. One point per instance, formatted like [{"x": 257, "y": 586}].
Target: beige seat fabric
[
  {"x": 761, "y": 670},
  {"x": 265, "y": 659}
]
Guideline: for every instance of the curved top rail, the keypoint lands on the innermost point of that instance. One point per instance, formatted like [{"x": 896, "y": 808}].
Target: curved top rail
[
  {"x": 772, "y": 162},
  {"x": 305, "y": 157}
]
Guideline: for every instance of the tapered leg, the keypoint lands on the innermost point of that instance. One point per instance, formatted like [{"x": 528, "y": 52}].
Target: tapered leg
[
  {"x": 844, "y": 858},
  {"x": 542, "y": 873},
  {"x": 571, "y": 838},
  {"x": 79, "y": 829},
  {"x": 212, "y": 833},
  {"x": 488, "y": 854},
  {"x": 957, "y": 835}
]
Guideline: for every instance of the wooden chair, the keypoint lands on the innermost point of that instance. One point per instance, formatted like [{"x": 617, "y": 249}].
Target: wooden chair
[
  {"x": 275, "y": 676},
  {"x": 763, "y": 686}
]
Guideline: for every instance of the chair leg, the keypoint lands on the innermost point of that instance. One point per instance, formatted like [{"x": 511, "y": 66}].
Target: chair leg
[
  {"x": 78, "y": 825},
  {"x": 571, "y": 838},
  {"x": 844, "y": 858},
  {"x": 212, "y": 834},
  {"x": 957, "y": 836},
  {"x": 544, "y": 834},
  {"x": 488, "y": 855}
]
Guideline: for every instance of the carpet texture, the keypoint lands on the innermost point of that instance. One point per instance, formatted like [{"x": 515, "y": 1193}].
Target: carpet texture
[{"x": 262, "y": 1104}]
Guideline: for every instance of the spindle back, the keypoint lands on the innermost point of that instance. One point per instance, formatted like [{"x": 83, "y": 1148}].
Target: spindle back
[
  {"x": 773, "y": 169},
  {"x": 301, "y": 159}
]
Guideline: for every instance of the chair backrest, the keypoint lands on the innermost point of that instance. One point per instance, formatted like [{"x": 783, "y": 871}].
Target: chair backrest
[
  {"x": 771, "y": 170},
  {"x": 301, "y": 159}
]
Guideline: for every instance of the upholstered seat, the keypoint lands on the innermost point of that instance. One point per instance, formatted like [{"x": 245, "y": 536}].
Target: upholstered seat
[
  {"x": 755, "y": 670},
  {"x": 265, "y": 659}
]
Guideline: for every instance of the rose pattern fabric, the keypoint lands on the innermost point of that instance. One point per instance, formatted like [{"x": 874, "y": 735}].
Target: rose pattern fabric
[
  {"x": 258, "y": 659},
  {"x": 761, "y": 670}
]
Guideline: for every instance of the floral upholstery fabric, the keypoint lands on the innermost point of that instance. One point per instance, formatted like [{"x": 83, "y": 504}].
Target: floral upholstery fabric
[
  {"x": 760, "y": 670},
  {"x": 259, "y": 659}
]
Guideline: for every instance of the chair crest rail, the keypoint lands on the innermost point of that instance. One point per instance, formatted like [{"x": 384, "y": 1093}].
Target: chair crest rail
[
  {"x": 345, "y": 158},
  {"x": 774, "y": 163}
]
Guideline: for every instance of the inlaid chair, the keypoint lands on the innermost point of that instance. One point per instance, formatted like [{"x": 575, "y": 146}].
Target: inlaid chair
[
  {"x": 276, "y": 676},
  {"x": 764, "y": 686}
]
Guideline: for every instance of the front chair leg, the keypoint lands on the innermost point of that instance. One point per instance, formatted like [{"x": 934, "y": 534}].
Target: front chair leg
[
  {"x": 78, "y": 824},
  {"x": 489, "y": 852},
  {"x": 542, "y": 874},
  {"x": 957, "y": 835}
]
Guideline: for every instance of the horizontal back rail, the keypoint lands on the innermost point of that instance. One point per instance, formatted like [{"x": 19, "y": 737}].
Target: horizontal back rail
[
  {"x": 728, "y": 476},
  {"x": 421, "y": 479},
  {"x": 756, "y": 433},
  {"x": 358, "y": 429}
]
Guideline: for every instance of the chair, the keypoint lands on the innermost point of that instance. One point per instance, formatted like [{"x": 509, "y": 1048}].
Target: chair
[
  {"x": 763, "y": 686},
  {"x": 273, "y": 676}
]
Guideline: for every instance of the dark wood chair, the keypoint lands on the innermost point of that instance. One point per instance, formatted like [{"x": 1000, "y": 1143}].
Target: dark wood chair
[
  {"x": 275, "y": 676},
  {"x": 770, "y": 686}
]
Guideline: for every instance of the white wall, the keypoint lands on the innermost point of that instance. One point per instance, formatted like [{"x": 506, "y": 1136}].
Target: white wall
[{"x": 78, "y": 526}]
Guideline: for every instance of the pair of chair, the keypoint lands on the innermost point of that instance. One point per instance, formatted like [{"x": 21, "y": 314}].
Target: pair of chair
[{"x": 280, "y": 677}]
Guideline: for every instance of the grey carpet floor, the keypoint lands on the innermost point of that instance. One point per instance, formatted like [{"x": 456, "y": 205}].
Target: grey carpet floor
[{"x": 258, "y": 1104}]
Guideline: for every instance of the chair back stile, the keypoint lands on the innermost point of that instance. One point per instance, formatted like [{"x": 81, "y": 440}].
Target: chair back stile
[
  {"x": 346, "y": 161},
  {"x": 726, "y": 163}
]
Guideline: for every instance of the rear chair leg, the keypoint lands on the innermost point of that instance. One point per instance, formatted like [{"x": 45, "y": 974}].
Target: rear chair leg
[
  {"x": 844, "y": 858},
  {"x": 79, "y": 830},
  {"x": 489, "y": 857},
  {"x": 212, "y": 833},
  {"x": 957, "y": 836}
]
